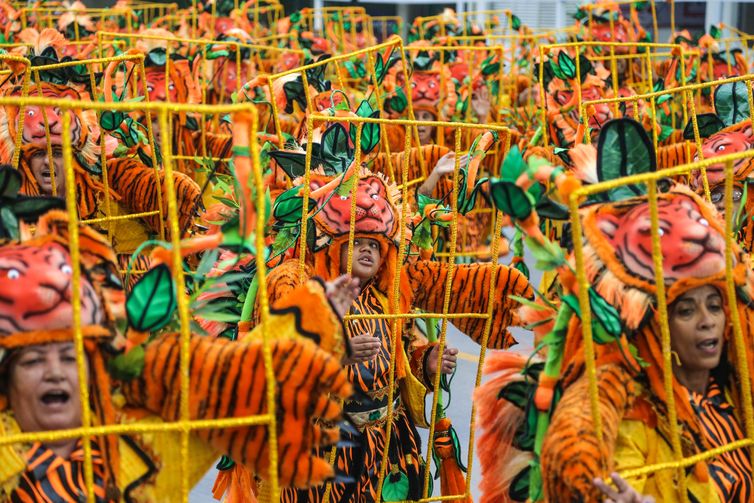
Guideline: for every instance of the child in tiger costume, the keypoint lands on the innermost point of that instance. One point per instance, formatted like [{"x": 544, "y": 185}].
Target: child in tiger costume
[
  {"x": 376, "y": 255},
  {"x": 40, "y": 389}
]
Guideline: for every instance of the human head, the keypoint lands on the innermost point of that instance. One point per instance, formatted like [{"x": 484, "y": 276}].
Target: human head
[
  {"x": 43, "y": 387},
  {"x": 366, "y": 259},
  {"x": 42, "y": 170},
  {"x": 697, "y": 323},
  {"x": 717, "y": 196},
  {"x": 426, "y": 133}
]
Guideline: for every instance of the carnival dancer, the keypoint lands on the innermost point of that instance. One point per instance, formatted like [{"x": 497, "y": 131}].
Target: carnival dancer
[
  {"x": 376, "y": 260},
  {"x": 41, "y": 388},
  {"x": 562, "y": 448}
]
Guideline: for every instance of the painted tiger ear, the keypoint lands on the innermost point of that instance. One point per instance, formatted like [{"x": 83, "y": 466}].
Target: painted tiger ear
[
  {"x": 624, "y": 149},
  {"x": 732, "y": 103}
]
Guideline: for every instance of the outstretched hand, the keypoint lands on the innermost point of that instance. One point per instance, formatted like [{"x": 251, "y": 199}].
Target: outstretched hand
[
  {"x": 623, "y": 492},
  {"x": 341, "y": 292}
]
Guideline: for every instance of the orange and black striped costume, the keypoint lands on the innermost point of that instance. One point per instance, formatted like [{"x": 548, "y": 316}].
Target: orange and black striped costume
[
  {"x": 371, "y": 379},
  {"x": 730, "y": 471},
  {"x": 51, "y": 479}
]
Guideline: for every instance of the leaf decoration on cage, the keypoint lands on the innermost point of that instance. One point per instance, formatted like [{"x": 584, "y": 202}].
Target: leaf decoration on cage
[
  {"x": 468, "y": 185},
  {"x": 335, "y": 152},
  {"x": 708, "y": 125},
  {"x": 732, "y": 103},
  {"x": 15, "y": 208},
  {"x": 624, "y": 149},
  {"x": 293, "y": 86}
]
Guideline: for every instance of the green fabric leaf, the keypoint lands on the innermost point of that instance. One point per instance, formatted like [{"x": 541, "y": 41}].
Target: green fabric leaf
[
  {"x": 457, "y": 448},
  {"x": 519, "y": 488},
  {"x": 606, "y": 326},
  {"x": 9, "y": 223},
  {"x": 715, "y": 32},
  {"x": 513, "y": 165},
  {"x": 370, "y": 134},
  {"x": 364, "y": 109},
  {"x": 624, "y": 149},
  {"x": 157, "y": 57},
  {"x": 547, "y": 208},
  {"x": 380, "y": 68},
  {"x": 511, "y": 199},
  {"x": 491, "y": 69},
  {"x": 732, "y": 103},
  {"x": 225, "y": 463},
  {"x": 522, "y": 268},
  {"x": 356, "y": 69},
  {"x": 232, "y": 238},
  {"x": 604, "y": 312},
  {"x": 517, "y": 393},
  {"x": 525, "y": 436},
  {"x": 289, "y": 206},
  {"x": 31, "y": 208},
  {"x": 708, "y": 124},
  {"x": 423, "y": 200},
  {"x": 536, "y": 492},
  {"x": 127, "y": 366},
  {"x": 192, "y": 123},
  {"x": 152, "y": 301},
  {"x": 422, "y": 61},
  {"x": 555, "y": 68},
  {"x": 205, "y": 264},
  {"x": 294, "y": 92},
  {"x": 345, "y": 188},
  {"x": 10, "y": 182},
  {"x": 422, "y": 236},
  {"x": 549, "y": 255},
  {"x": 395, "y": 487},
  {"x": 398, "y": 102},
  {"x": 567, "y": 65},
  {"x": 335, "y": 149},
  {"x": 110, "y": 120},
  {"x": 515, "y": 22},
  {"x": 293, "y": 163},
  {"x": 665, "y": 132},
  {"x": 284, "y": 240}
]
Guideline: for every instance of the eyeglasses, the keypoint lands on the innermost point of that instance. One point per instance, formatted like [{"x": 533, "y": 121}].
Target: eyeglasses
[{"x": 718, "y": 194}]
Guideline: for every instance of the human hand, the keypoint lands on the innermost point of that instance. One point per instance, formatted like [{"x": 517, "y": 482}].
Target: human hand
[
  {"x": 480, "y": 103},
  {"x": 448, "y": 363},
  {"x": 341, "y": 292},
  {"x": 447, "y": 164},
  {"x": 363, "y": 347},
  {"x": 623, "y": 493}
]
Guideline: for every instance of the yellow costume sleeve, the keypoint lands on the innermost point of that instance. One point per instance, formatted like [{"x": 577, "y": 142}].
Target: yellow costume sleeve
[{"x": 639, "y": 445}]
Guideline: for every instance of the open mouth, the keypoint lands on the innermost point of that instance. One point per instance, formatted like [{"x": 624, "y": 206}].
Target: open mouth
[
  {"x": 366, "y": 261},
  {"x": 709, "y": 345},
  {"x": 56, "y": 397}
]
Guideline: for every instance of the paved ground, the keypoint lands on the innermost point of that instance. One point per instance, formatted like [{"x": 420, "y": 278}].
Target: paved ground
[{"x": 459, "y": 411}]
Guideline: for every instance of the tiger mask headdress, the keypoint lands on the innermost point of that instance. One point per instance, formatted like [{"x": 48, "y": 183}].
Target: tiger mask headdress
[
  {"x": 84, "y": 131},
  {"x": 562, "y": 99}
]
